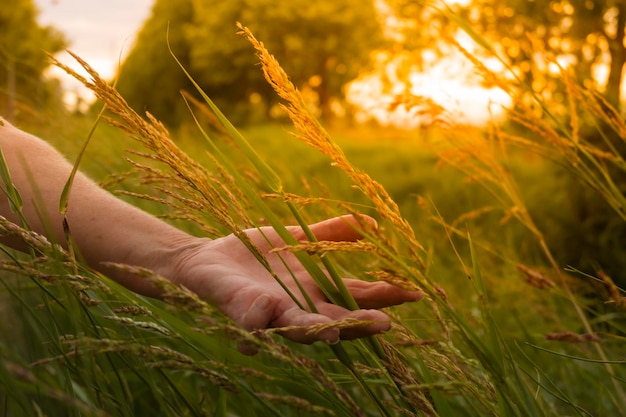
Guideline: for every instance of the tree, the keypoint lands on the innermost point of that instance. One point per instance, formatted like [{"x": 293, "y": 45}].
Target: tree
[
  {"x": 578, "y": 33},
  {"x": 321, "y": 45},
  {"x": 150, "y": 79},
  {"x": 23, "y": 47}
]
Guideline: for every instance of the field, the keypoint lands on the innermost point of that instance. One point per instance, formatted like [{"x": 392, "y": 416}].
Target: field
[{"x": 509, "y": 326}]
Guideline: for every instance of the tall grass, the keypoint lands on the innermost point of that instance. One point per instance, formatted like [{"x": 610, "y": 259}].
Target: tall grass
[{"x": 484, "y": 342}]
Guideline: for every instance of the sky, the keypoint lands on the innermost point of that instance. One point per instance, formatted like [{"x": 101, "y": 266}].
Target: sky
[{"x": 99, "y": 31}]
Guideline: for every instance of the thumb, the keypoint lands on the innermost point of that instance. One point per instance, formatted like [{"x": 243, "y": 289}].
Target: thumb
[{"x": 258, "y": 316}]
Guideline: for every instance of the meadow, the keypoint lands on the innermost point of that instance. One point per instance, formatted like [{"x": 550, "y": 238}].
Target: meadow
[{"x": 478, "y": 219}]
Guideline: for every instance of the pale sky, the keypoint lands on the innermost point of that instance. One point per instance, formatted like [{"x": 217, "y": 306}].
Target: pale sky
[{"x": 99, "y": 31}]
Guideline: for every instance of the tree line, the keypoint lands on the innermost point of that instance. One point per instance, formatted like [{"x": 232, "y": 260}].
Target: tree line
[
  {"x": 23, "y": 59},
  {"x": 326, "y": 43},
  {"x": 322, "y": 45}
]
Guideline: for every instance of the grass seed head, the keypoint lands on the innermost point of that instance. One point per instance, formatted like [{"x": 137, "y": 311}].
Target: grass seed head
[{"x": 572, "y": 337}]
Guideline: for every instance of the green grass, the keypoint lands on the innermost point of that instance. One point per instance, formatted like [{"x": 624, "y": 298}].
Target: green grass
[
  {"x": 490, "y": 340},
  {"x": 125, "y": 378}
]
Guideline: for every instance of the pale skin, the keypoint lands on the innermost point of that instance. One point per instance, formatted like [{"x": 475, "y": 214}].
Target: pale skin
[{"x": 221, "y": 271}]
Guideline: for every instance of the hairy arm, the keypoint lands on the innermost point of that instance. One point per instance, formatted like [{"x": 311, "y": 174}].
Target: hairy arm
[{"x": 105, "y": 228}]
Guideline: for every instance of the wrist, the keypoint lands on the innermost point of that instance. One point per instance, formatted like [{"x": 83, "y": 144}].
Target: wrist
[
  {"x": 162, "y": 253},
  {"x": 170, "y": 257}
]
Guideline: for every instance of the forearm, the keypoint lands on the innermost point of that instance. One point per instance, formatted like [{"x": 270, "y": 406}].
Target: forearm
[{"x": 105, "y": 228}]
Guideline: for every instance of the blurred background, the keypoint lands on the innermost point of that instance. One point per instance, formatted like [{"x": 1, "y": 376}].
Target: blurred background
[
  {"x": 357, "y": 60},
  {"x": 499, "y": 120},
  {"x": 377, "y": 71}
]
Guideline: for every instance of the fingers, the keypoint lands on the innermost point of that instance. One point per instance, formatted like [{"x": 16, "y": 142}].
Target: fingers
[
  {"x": 258, "y": 316},
  {"x": 376, "y": 322},
  {"x": 300, "y": 327},
  {"x": 380, "y": 294},
  {"x": 343, "y": 228},
  {"x": 369, "y": 295},
  {"x": 304, "y": 327}
]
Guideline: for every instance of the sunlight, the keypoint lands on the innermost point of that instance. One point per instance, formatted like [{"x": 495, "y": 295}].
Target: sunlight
[
  {"x": 447, "y": 88},
  {"x": 76, "y": 96}
]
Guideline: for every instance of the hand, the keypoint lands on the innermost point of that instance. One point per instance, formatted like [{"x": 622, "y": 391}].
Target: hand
[
  {"x": 225, "y": 273},
  {"x": 108, "y": 231}
]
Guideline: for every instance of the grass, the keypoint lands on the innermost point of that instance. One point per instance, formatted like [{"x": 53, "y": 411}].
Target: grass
[{"x": 505, "y": 331}]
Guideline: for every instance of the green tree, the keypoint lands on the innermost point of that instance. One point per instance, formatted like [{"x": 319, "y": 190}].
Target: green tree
[
  {"x": 321, "y": 44},
  {"x": 23, "y": 47},
  {"x": 149, "y": 79}
]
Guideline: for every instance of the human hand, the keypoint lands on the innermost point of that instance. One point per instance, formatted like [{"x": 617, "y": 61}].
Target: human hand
[
  {"x": 108, "y": 231},
  {"x": 225, "y": 273}
]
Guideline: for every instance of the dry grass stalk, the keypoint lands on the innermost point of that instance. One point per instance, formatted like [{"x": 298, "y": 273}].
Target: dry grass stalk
[
  {"x": 471, "y": 215},
  {"x": 448, "y": 363},
  {"x": 321, "y": 247},
  {"x": 394, "y": 278},
  {"x": 404, "y": 377},
  {"x": 153, "y": 356},
  {"x": 299, "y": 200},
  {"x": 573, "y": 337},
  {"x": 49, "y": 267},
  {"x": 145, "y": 325},
  {"x": 214, "y": 192},
  {"x": 296, "y": 402},
  {"x": 133, "y": 310},
  {"x": 327, "y": 383},
  {"x": 615, "y": 293},
  {"x": 564, "y": 145},
  {"x": 155, "y": 137},
  {"x": 535, "y": 278},
  {"x": 312, "y": 133},
  {"x": 489, "y": 77},
  {"x": 568, "y": 146},
  {"x": 171, "y": 293},
  {"x": 30, "y": 238},
  {"x": 346, "y": 323}
]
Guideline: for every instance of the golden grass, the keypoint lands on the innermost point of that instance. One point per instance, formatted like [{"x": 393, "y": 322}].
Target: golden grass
[
  {"x": 311, "y": 132},
  {"x": 437, "y": 360}
]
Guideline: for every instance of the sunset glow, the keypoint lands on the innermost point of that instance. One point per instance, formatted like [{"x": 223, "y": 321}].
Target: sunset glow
[{"x": 448, "y": 82}]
